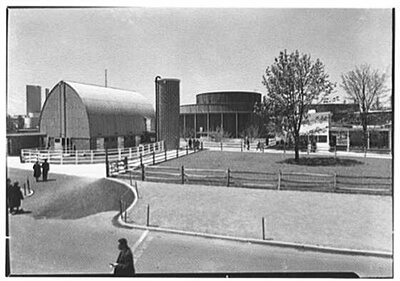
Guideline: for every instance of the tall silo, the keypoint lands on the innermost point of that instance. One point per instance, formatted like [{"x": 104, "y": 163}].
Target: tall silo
[{"x": 167, "y": 111}]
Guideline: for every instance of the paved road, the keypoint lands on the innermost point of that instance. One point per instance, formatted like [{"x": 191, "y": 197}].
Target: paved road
[{"x": 87, "y": 246}]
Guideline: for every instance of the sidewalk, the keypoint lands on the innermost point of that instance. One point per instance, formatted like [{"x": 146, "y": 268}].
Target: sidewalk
[
  {"x": 92, "y": 170},
  {"x": 81, "y": 170}
]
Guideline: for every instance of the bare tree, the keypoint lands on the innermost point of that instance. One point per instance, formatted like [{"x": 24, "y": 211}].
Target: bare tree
[
  {"x": 367, "y": 87},
  {"x": 293, "y": 83}
]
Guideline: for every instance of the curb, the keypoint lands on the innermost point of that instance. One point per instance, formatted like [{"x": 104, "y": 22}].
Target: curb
[{"x": 282, "y": 244}]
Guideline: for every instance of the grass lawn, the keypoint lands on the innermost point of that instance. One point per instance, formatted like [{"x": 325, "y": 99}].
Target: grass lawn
[
  {"x": 340, "y": 220},
  {"x": 69, "y": 197},
  {"x": 343, "y": 220},
  {"x": 272, "y": 162}
]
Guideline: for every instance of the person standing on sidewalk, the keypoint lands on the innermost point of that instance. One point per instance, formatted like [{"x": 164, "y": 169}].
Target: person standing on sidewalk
[
  {"x": 45, "y": 168},
  {"x": 124, "y": 265},
  {"x": 36, "y": 171},
  {"x": 15, "y": 198}
]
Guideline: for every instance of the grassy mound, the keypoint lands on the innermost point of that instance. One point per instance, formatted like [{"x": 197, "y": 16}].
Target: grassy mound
[
  {"x": 70, "y": 197},
  {"x": 81, "y": 201},
  {"x": 322, "y": 161}
]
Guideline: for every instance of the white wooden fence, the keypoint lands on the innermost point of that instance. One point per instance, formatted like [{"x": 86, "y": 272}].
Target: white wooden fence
[{"x": 89, "y": 156}]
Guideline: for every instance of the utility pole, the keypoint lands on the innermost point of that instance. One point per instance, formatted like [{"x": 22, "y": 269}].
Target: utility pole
[
  {"x": 105, "y": 74},
  {"x": 157, "y": 107}
]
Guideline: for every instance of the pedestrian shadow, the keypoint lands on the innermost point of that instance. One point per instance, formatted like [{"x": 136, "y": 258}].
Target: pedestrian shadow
[
  {"x": 47, "y": 180},
  {"x": 21, "y": 212}
]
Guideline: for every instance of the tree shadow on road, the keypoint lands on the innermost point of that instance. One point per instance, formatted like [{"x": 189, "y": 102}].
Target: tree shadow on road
[{"x": 321, "y": 161}]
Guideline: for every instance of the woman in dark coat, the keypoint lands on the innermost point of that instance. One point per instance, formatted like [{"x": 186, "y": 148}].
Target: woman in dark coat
[
  {"x": 37, "y": 171},
  {"x": 124, "y": 265},
  {"x": 15, "y": 197}
]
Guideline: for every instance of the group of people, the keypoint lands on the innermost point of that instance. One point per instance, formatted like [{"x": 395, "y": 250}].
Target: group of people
[
  {"x": 260, "y": 146},
  {"x": 14, "y": 197},
  {"x": 247, "y": 143},
  {"x": 39, "y": 170},
  {"x": 194, "y": 144}
]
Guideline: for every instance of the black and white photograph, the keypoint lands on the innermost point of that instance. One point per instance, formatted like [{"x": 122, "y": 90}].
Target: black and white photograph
[{"x": 199, "y": 141}]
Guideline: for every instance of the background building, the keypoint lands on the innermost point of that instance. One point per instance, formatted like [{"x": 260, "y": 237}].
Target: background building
[
  {"x": 33, "y": 99},
  {"x": 33, "y": 106},
  {"x": 227, "y": 111},
  {"x": 80, "y": 116}
]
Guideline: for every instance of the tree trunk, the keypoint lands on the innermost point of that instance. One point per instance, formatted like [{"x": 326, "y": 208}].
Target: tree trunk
[
  {"x": 296, "y": 147},
  {"x": 365, "y": 129}
]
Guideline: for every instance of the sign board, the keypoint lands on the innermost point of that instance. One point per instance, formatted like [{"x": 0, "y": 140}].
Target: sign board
[{"x": 315, "y": 124}]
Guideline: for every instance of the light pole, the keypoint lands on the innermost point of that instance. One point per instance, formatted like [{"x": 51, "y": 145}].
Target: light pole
[{"x": 157, "y": 106}]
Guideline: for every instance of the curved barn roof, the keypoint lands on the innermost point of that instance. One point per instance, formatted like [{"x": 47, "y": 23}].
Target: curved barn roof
[
  {"x": 102, "y": 100},
  {"x": 79, "y": 110}
]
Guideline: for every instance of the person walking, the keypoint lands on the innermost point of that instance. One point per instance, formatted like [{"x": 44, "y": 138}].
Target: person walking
[
  {"x": 124, "y": 265},
  {"x": 15, "y": 198},
  {"x": 190, "y": 143},
  {"x": 36, "y": 171},
  {"x": 8, "y": 194},
  {"x": 45, "y": 168}
]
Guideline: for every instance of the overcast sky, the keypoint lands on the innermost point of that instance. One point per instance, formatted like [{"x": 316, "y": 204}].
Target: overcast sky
[{"x": 207, "y": 49}]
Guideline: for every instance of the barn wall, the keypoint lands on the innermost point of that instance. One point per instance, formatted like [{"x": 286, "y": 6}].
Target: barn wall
[
  {"x": 50, "y": 117},
  {"x": 77, "y": 122}
]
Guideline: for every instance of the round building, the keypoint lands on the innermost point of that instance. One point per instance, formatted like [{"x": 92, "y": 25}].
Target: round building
[
  {"x": 229, "y": 111},
  {"x": 81, "y": 116}
]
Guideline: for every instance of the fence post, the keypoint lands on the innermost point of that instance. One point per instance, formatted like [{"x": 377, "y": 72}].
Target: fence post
[
  {"x": 229, "y": 176},
  {"x": 201, "y": 145},
  {"x": 125, "y": 208},
  {"x": 187, "y": 150},
  {"x": 107, "y": 167},
  {"x": 148, "y": 214},
  {"x": 61, "y": 157},
  {"x": 143, "y": 175},
  {"x": 279, "y": 179},
  {"x": 263, "y": 228},
  {"x": 137, "y": 190},
  {"x": 334, "y": 182},
  {"x": 24, "y": 189},
  {"x": 165, "y": 152},
  {"x": 154, "y": 157},
  {"x": 241, "y": 146},
  {"x": 91, "y": 156},
  {"x": 221, "y": 146},
  {"x": 120, "y": 208},
  {"x": 335, "y": 152},
  {"x": 141, "y": 159},
  {"x": 183, "y": 174},
  {"x": 76, "y": 157},
  {"x": 177, "y": 152}
]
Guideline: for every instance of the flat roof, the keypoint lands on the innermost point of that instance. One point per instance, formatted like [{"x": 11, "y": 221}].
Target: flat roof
[{"x": 26, "y": 134}]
